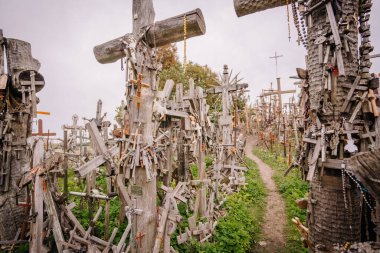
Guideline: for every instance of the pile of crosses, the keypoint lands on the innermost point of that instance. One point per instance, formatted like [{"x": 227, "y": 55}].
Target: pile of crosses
[
  {"x": 339, "y": 119},
  {"x": 276, "y": 123},
  {"x": 148, "y": 161}
]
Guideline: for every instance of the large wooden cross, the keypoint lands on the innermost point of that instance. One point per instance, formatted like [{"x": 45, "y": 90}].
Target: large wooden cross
[
  {"x": 227, "y": 87},
  {"x": 279, "y": 93},
  {"x": 137, "y": 47}
]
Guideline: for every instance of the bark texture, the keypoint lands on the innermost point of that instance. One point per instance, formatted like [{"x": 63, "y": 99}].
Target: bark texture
[{"x": 245, "y": 7}]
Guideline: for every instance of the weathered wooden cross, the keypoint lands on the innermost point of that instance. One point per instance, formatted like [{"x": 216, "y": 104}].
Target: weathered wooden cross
[
  {"x": 40, "y": 131},
  {"x": 279, "y": 94},
  {"x": 137, "y": 47}
]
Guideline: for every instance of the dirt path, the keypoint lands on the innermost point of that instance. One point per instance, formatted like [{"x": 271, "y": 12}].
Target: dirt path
[{"x": 274, "y": 220}]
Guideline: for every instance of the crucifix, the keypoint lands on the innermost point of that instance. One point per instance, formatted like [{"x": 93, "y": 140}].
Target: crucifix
[
  {"x": 275, "y": 57},
  {"x": 227, "y": 86},
  {"x": 138, "y": 48},
  {"x": 226, "y": 146}
]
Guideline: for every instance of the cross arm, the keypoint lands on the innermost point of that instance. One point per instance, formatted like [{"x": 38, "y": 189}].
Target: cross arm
[
  {"x": 245, "y": 7},
  {"x": 172, "y": 29},
  {"x": 158, "y": 34},
  {"x": 271, "y": 93},
  {"x": 219, "y": 89}
]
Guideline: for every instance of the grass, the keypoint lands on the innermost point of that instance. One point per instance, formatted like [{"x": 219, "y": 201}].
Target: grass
[
  {"x": 291, "y": 187},
  {"x": 240, "y": 229}
]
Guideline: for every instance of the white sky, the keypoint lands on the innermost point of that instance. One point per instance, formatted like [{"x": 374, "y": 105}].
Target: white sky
[{"x": 63, "y": 34}]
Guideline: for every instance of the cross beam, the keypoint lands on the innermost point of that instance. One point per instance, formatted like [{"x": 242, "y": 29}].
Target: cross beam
[
  {"x": 279, "y": 93},
  {"x": 40, "y": 130},
  {"x": 156, "y": 35},
  {"x": 245, "y": 7}
]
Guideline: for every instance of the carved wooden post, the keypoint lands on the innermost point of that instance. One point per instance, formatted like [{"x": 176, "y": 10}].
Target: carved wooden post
[
  {"x": 15, "y": 127},
  {"x": 140, "y": 96}
]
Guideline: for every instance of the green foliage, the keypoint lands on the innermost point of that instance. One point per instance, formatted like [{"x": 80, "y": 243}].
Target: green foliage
[
  {"x": 291, "y": 187},
  {"x": 240, "y": 229},
  {"x": 83, "y": 211}
]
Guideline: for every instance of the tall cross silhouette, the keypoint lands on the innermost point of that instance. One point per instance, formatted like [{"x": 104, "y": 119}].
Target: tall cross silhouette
[{"x": 275, "y": 57}]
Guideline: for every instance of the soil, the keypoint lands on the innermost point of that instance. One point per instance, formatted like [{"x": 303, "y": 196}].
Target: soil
[{"x": 275, "y": 219}]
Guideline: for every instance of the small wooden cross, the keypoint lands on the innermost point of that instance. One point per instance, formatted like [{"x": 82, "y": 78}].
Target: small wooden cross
[
  {"x": 139, "y": 85},
  {"x": 139, "y": 237},
  {"x": 41, "y": 132}
]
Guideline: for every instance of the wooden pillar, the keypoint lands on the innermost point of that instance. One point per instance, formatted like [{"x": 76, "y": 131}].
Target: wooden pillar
[{"x": 65, "y": 163}]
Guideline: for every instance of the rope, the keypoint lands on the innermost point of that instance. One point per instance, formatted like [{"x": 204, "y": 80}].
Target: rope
[{"x": 184, "y": 42}]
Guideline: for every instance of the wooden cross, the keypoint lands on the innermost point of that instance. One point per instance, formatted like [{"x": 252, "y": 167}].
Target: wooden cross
[
  {"x": 139, "y": 237},
  {"x": 227, "y": 86},
  {"x": 138, "y": 47},
  {"x": 279, "y": 93},
  {"x": 275, "y": 57},
  {"x": 139, "y": 85},
  {"x": 105, "y": 155},
  {"x": 41, "y": 132},
  {"x": 74, "y": 130}
]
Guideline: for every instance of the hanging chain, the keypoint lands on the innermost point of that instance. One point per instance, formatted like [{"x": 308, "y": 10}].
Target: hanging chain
[
  {"x": 299, "y": 24},
  {"x": 344, "y": 187},
  {"x": 344, "y": 171},
  {"x": 288, "y": 17},
  {"x": 184, "y": 42}
]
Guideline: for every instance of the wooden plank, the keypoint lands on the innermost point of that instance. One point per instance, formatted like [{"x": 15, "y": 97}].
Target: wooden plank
[
  {"x": 40, "y": 169},
  {"x": 2, "y": 64},
  {"x": 95, "y": 162},
  {"x": 350, "y": 93},
  {"x": 331, "y": 163},
  {"x": 96, "y": 138},
  {"x": 73, "y": 219},
  {"x": 177, "y": 114},
  {"x": 271, "y": 93},
  {"x": 234, "y": 87},
  {"x": 125, "y": 198},
  {"x": 124, "y": 237},
  {"x": 314, "y": 160},
  {"x": 336, "y": 35},
  {"x": 53, "y": 216},
  {"x": 36, "y": 228}
]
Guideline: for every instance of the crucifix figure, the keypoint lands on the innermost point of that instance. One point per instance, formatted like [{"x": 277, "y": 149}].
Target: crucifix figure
[{"x": 138, "y": 48}]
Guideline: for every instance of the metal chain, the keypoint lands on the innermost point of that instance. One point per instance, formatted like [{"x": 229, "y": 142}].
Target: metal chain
[{"x": 344, "y": 171}]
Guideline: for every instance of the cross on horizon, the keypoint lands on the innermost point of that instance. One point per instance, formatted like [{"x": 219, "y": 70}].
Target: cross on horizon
[{"x": 275, "y": 57}]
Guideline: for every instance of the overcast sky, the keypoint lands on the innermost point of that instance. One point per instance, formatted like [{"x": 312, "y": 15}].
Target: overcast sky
[{"x": 63, "y": 34}]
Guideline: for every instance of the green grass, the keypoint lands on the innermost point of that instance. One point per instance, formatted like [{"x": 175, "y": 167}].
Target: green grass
[
  {"x": 291, "y": 187},
  {"x": 81, "y": 209},
  {"x": 240, "y": 229}
]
